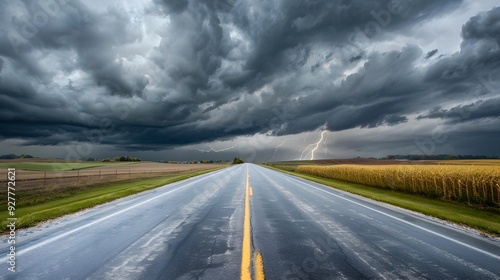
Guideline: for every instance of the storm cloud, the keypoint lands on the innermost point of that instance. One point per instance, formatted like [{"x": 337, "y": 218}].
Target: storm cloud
[{"x": 159, "y": 74}]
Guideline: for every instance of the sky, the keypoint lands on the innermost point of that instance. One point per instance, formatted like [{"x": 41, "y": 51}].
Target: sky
[{"x": 260, "y": 80}]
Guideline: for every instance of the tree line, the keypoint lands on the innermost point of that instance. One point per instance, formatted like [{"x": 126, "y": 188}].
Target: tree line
[{"x": 122, "y": 158}]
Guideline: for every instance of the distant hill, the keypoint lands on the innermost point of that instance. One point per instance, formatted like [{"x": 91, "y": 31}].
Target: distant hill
[{"x": 14, "y": 156}]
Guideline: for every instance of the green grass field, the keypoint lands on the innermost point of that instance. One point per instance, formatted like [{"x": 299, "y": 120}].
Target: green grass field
[
  {"x": 56, "y": 207},
  {"x": 483, "y": 219},
  {"x": 56, "y": 166}
]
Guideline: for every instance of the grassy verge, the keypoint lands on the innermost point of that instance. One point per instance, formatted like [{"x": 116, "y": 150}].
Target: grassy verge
[
  {"x": 57, "y": 166},
  {"x": 484, "y": 220},
  {"x": 32, "y": 215}
]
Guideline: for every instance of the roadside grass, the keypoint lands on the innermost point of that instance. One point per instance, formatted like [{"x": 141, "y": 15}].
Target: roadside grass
[
  {"x": 486, "y": 220},
  {"x": 56, "y": 166},
  {"x": 32, "y": 215}
]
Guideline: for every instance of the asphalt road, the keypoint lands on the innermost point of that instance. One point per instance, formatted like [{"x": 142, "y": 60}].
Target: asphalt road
[{"x": 224, "y": 225}]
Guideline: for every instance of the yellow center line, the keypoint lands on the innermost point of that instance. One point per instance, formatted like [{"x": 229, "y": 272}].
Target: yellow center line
[
  {"x": 246, "y": 247},
  {"x": 246, "y": 256},
  {"x": 258, "y": 271}
]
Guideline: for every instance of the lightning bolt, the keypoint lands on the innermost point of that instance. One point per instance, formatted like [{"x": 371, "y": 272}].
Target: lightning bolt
[
  {"x": 302, "y": 156},
  {"x": 212, "y": 150},
  {"x": 316, "y": 145},
  {"x": 276, "y": 149},
  {"x": 281, "y": 144}
]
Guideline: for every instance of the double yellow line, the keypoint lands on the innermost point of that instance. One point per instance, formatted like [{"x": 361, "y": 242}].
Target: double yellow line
[{"x": 246, "y": 257}]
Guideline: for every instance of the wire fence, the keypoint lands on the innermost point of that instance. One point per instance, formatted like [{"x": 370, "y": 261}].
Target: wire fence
[
  {"x": 77, "y": 179},
  {"x": 25, "y": 176}
]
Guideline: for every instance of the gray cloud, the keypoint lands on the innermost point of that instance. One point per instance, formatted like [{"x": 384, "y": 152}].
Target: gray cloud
[
  {"x": 431, "y": 53},
  {"x": 173, "y": 6},
  {"x": 483, "y": 109},
  {"x": 175, "y": 73}
]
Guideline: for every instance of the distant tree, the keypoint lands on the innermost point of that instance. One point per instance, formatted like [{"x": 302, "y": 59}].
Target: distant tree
[
  {"x": 9, "y": 156},
  {"x": 27, "y": 156},
  {"x": 237, "y": 161},
  {"x": 122, "y": 158}
]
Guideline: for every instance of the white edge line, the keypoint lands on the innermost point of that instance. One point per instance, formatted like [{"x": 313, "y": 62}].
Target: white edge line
[
  {"x": 57, "y": 237},
  {"x": 396, "y": 218}
]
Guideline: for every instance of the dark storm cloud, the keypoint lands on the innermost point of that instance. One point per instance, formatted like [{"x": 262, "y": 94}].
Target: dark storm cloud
[
  {"x": 431, "y": 54},
  {"x": 478, "y": 59},
  {"x": 73, "y": 28},
  {"x": 295, "y": 26},
  {"x": 483, "y": 27},
  {"x": 200, "y": 73},
  {"x": 484, "y": 109},
  {"x": 192, "y": 58},
  {"x": 382, "y": 89},
  {"x": 473, "y": 72},
  {"x": 173, "y": 6},
  {"x": 355, "y": 58}
]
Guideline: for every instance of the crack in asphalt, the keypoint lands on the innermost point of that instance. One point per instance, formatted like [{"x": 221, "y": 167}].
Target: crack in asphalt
[
  {"x": 186, "y": 238},
  {"x": 347, "y": 259},
  {"x": 213, "y": 244},
  {"x": 192, "y": 230},
  {"x": 211, "y": 255}
]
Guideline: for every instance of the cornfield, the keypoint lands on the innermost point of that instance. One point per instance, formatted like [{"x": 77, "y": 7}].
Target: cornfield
[{"x": 475, "y": 185}]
